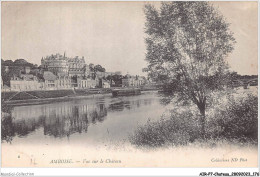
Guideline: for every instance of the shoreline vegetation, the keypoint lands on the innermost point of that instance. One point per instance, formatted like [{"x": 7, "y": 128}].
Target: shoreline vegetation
[
  {"x": 187, "y": 53},
  {"x": 231, "y": 118}
]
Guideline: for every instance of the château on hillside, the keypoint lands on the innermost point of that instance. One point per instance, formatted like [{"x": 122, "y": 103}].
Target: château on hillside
[{"x": 58, "y": 72}]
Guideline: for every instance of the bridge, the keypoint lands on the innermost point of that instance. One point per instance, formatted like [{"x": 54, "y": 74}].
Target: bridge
[{"x": 245, "y": 82}]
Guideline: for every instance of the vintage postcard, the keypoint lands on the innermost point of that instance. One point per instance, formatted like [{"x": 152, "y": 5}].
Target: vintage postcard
[{"x": 129, "y": 84}]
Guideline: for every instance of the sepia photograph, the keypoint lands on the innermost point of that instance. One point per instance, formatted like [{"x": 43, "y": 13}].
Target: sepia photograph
[{"x": 129, "y": 84}]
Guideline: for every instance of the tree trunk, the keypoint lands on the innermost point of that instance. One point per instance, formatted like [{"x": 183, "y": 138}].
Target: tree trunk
[{"x": 202, "y": 108}]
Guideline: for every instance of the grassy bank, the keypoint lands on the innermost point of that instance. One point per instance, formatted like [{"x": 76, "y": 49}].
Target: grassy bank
[
  {"x": 36, "y": 94},
  {"x": 49, "y": 94},
  {"x": 232, "y": 121},
  {"x": 45, "y": 94}
]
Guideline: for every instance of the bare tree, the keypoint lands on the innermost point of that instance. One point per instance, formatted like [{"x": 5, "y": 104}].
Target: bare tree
[{"x": 187, "y": 43}]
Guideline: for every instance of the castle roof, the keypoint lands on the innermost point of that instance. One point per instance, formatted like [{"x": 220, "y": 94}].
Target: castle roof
[{"x": 47, "y": 75}]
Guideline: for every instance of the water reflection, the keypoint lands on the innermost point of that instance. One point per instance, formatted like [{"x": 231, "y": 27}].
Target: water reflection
[
  {"x": 128, "y": 104},
  {"x": 75, "y": 119},
  {"x": 64, "y": 118}
]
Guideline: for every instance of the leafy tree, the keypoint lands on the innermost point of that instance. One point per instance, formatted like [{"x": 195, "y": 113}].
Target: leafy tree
[
  {"x": 91, "y": 67},
  {"x": 7, "y": 62},
  {"x": 15, "y": 68},
  {"x": 186, "y": 45},
  {"x": 116, "y": 78},
  {"x": 21, "y": 62},
  {"x": 99, "y": 68}
]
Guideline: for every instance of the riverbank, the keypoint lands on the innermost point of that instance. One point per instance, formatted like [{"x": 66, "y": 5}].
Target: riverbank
[
  {"x": 40, "y": 97},
  {"x": 48, "y": 96},
  {"x": 231, "y": 116}
]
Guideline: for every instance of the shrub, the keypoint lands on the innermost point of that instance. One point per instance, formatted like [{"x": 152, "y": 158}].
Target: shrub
[
  {"x": 178, "y": 130},
  {"x": 235, "y": 121},
  {"x": 239, "y": 119}
]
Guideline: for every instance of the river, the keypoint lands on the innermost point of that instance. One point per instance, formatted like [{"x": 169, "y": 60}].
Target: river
[
  {"x": 93, "y": 120},
  {"x": 87, "y": 130}
]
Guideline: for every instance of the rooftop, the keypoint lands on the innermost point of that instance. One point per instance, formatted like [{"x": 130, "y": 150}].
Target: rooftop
[{"x": 47, "y": 75}]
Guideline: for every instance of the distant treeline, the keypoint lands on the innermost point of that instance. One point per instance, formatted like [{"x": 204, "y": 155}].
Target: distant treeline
[
  {"x": 10, "y": 68},
  {"x": 18, "y": 63},
  {"x": 235, "y": 75}
]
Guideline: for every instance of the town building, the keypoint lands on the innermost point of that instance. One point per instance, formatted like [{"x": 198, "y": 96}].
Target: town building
[
  {"x": 112, "y": 83},
  {"x": 133, "y": 81},
  {"x": 63, "y": 81},
  {"x": 59, "y": 72},
  {"x": 5, "y": 88},
  {"x": 76, "y": 66},
  {"x": 103, "y": 83},
  {"x": 128, "y": 81},
  {"x": 87, "y": 70},
  {"x": 49, "y": 80},
  {"x": 106, "y": 84},
  {"x": 25, "y": 82},
  {"x": 86, "y": 83}
]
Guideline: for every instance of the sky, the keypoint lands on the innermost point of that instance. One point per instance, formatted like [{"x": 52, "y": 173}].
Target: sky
[{"x": 108, "y": 33}]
